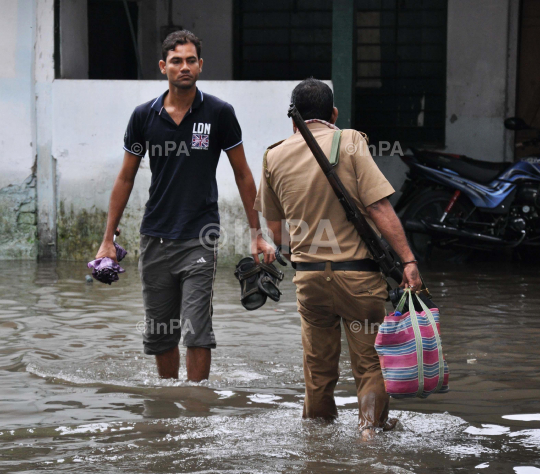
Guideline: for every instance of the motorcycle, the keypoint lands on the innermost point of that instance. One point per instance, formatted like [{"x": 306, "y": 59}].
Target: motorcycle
[{"x": 453, "y": 205}]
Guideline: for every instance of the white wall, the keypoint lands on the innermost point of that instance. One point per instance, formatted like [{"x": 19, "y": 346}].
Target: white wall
[
  {"x": 17, "y": 130},
  {"x": 17, "y": 143},
  {"x": 89, "y": 121},
  {"x": 478, "y": 78},
  {"x": 75, "y": 128},
  {"x": 210, "y": 20},
  {"x": 90, "y": 118}
]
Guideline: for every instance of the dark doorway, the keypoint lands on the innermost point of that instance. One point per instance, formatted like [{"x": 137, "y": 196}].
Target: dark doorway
[
  {"x": 401, "y": 70},
  {"x": 110, "y": 47},
  {"x": 528, "y": 86}
]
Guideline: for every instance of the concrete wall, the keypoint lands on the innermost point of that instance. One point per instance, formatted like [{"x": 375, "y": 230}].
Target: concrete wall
[
  {"x": 210, "y": 20},
  {"x": 74, "y": 39},
  {"x": 148, "y": 39},
  {"x": 17, "y": 130},
  {"x": 481, "y": 65},
  {"x": 88, "y": 128},
  {"x": 64, "y": 138},
  {"x": 17, "y": 144},
  {"x": 45, "y": 162}
]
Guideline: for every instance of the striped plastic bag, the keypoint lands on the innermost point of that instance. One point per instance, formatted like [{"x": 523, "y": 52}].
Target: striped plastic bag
[{"x": 410, "y": 351}]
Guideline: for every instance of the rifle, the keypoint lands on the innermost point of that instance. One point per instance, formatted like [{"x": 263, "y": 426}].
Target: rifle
[{"x": 381, "y": 251}]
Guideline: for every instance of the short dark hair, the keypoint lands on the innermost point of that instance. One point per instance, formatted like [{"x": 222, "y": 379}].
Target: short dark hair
[
  {"x": 180, "y": 37},
  {"x": 313, "y": 99}
]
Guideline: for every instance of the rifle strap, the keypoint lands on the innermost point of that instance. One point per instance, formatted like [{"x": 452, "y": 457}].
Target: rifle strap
[
  {"x": 265, "y": 161},
  {"x": 334, "y": 152}
]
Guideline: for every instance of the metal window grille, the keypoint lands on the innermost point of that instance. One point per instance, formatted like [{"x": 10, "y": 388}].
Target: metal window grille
[
  {"x": 401, "y": 70},
  {"x": 282, "y": 39}
]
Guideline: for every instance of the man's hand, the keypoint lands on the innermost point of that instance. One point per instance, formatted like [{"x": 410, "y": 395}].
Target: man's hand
[
  {"x": 107, "y": 248},
  {"x": 411, "y": 277},
  {"x": 258, "y": 246}
]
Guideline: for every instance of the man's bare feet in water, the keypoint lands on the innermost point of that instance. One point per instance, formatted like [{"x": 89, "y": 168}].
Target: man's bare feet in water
[
  {"x": 367, "y": 434},
  {"x": 390, "y": 424}
]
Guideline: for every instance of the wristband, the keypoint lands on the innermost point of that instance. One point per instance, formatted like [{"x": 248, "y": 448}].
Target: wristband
[{"x": 411, "y": 261}]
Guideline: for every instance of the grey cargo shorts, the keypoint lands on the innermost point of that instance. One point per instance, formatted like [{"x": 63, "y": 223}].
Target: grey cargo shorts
[{"x": 177, "y": 279}]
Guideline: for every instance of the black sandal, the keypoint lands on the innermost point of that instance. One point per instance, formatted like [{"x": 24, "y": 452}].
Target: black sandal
[
  {"x": 248, "y": 272},
  {"x": 269, "y": 281}
]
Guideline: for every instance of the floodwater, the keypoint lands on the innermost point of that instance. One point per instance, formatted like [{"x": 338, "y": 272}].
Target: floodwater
[{"x": 77, "y": 394}]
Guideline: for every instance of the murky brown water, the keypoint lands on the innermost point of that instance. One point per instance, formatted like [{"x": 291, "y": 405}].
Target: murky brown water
[{"x": 78, "y": 394}]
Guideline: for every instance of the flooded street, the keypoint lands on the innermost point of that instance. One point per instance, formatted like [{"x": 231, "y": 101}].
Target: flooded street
[{"x": 78, "y": 394}]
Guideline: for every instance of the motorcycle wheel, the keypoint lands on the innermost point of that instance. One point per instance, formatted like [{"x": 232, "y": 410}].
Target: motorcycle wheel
[{"x": 430, "y": 206}]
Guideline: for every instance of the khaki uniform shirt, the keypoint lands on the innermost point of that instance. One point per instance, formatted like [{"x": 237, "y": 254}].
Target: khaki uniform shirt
[{"x": 293, "y": 187}]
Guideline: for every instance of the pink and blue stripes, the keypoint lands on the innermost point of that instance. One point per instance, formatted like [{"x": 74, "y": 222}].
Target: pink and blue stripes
[{"x": 406, "y": 340}]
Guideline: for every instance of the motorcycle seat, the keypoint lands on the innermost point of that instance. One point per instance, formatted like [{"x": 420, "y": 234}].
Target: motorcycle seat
[{"x": 483, "y": 172}]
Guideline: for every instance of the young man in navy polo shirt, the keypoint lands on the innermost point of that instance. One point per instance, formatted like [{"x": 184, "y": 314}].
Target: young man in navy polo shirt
[{"x": 183, "y": 131}]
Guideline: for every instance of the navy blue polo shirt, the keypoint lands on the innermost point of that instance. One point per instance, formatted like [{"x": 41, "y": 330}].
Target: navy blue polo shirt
[{"x": 183, "y": 160}]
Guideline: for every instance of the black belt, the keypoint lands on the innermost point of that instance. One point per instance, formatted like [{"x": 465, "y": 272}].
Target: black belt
[{"x": 364, "y": 265}]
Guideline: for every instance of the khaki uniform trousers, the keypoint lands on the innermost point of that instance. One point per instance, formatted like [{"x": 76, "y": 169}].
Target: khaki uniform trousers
[{"x": 324, "y": 299}]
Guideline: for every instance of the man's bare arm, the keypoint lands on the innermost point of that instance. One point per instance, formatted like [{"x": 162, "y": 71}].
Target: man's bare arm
[
  {"x": 119, "y": 197},
  {"x": 248, "y": 193},
  {"x": 383, "y": 215},
  {"x": 280, "y": 235}
]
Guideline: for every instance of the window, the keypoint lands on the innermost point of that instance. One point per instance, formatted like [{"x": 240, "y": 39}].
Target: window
[
  {"x": 401, "y": 70},
  {"x": 111, "y": 54},
  {"x": 282, "y": 39}
]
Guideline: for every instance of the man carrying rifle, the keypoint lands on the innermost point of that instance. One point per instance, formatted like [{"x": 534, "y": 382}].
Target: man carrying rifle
[{"x": 336, "y": 277}]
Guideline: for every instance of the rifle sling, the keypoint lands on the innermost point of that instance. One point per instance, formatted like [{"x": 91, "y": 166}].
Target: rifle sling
[{"x": 365, "y": 231}]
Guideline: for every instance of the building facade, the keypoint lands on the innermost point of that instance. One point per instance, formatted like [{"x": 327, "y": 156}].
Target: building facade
[{"x": 440, "y": 73}]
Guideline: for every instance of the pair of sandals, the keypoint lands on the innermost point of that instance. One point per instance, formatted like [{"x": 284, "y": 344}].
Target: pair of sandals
[{"x": 258, "y": 281}]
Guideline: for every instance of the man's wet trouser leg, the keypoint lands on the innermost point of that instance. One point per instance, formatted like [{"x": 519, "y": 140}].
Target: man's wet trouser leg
[
  {"x": 324, "y": 298},
  {"x": 321, "y": 340}
]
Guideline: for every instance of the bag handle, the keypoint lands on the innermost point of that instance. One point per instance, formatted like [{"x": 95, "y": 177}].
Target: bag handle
[
  {"x": 402, "y": 302},
  {"x": 438, "y": 339},
  {"x": 418, "y": 340}
]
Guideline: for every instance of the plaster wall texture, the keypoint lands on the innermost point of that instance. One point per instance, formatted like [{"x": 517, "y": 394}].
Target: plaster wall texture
[
  {"x": 18, "y": 228},
  {"x": 477, "y": 79},
  {"x": 210, "y": 21},
  {"x": 90, "y": 118},
  {"x": 64, "y": 138}
]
